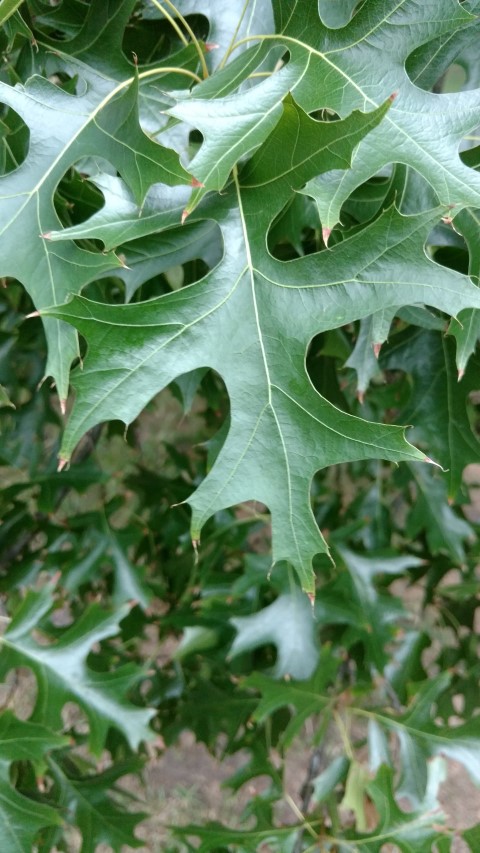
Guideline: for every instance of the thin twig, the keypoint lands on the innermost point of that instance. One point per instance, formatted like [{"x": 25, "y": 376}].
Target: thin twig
[{"x": 314, "y": 767}]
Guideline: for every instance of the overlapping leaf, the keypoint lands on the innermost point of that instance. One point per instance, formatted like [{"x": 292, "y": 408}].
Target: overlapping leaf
[
  {"x": 101, "y": 117},
  {"x": 63, "y": 674},
  {"x": 288, "y": 623},
  {"x": 193, "y": 328},
  {"x": 274, "y": 409},
  {"x": 420, "y": 739},
  {"x": 407, "y": 831},
  {"x": 365, "y": 61},
  {"x": 21, "y": 818},
  {"x": 86, "y": 803},
  {"x": 437, "y": 405}
]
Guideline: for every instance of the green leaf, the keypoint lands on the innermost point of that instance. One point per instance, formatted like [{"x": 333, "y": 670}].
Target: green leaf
[
  {"x": 214, "y": 837},
  {"x": 196, "y": 638},
  {"x": 444, "y": 528},
  {"x": 63, "y": 674},
  {"x": 150, "y": 256},
  {"x": 466, "y": 327},
  {"x": 228, "y": 22},
  {"x": 436, "y": 407},
  {"x": 325, "y": 783},
  {"x": 113, "y": 223},
  {"x": 363, "y": 357},
  {"x": 8, "y": 8},
  {"x": 22, "y": 817},
  {"x": 472, "y": 837},
  {"x": 364, "y": 63},
  {"x": 280, "y": 308},
  {"x": 85, "y": 802},
  {"x": 289, "y": 624},
  {"x": 233, "y": 126},
  {"x": 129, "y": 584},
  {"x": 103, "y": 117},
  {"x": 430, "y": 61},
  {"x": 306, "y": 697},
  {"x": 353, "y": 599},
  {"x": 4, "y": 398},
  {"x": 336, "y": 14},
  {"x": 421, "y": 739},
  {"x": 409, "y": 831}
]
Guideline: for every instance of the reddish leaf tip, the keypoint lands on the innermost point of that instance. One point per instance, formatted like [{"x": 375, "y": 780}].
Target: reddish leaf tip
[
  {"x": 360, "y": 396},
  {"x": 461, "y": 374},
  {"x": 195, "y": 544},
  {"x": 393, "y": 96},
  {"x": 311, "y": 598},
  {"x": 47, "y": 235},
  {"x": 376, "y": 349},
  {"x": 326, "y": 235},
  {"x": 63, "y": 406},
  {"x": 211, "y": 45},
  {"x": 62, "y": 463},
  {"x": 32, "y": 314},
  {"x": 195, "y": 183},
  {"x": 184, "y": 215}
]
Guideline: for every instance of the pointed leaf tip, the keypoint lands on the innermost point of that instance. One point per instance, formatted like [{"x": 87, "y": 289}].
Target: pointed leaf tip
[
  {"x": 195, "y": 544},
  {"x": 211, "y": 45},
  {"x": 62, "y": 463},
  {"x": 326, "y": 235},
  {"x": 47, "y": 235},
  {"x": 195, "y": 183},
  {"x": 432, "y": 462},
  {"x": 360, "y": 396},
  {"x": 461, "y": 374},
  {"x": 393, "y": 96},
  {"x": 32, "y": 314},
  {"x": 63, "y": 406},
  {"x": 184, "y": 215},
  {"x": 311, "y": 598},
  {"x": 376, "y": 349}
]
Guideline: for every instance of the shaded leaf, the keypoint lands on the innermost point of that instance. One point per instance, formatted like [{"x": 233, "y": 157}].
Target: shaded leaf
[
  {"x": 86, "y": 803},
  {"x": 289, "y": 624},
  {"x": 437, "y": 405},
  {"x": 102, "y": 117},
  {"x": 63, "y": 674},
  {"x": 445, "y": 530},
  {"x": 22, "y": 817},
  {"x": 409, "y": 831}
]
